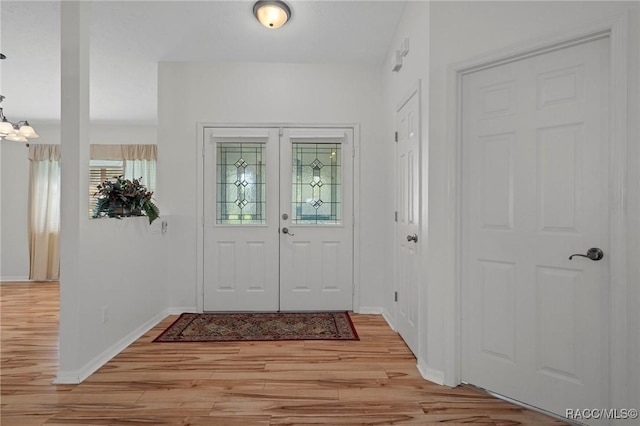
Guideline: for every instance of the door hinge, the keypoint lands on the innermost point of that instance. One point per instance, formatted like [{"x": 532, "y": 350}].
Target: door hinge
[
  {"x": 395, "y": 296},
  {"x": 353, "y": 152},
  {"x": 396, "y": 137},
  {"x": 396, "y": 216}
]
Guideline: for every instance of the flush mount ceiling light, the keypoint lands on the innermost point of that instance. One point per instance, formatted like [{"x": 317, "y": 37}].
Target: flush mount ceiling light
[{"x": 272, "y": 14}]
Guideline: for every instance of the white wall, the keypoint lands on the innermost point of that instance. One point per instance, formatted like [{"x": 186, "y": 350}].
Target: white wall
[
  {"x": 269, "y": 93},
  {"x": 14, "y": 178},
  {"x": 123, "y": 270},
  {"x": 119, "y": 290},
  {"x": 464, "y": 30},
  {"x": 415, "y": 66}
]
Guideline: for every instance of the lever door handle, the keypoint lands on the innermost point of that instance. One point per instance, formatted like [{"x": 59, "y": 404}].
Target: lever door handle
[
  {"x": 413, "y": 238},
  {"x": 286, "y": 231},
  {"x": 593, "y": 253}
]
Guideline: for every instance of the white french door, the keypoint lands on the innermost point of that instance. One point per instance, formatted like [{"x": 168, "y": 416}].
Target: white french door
[
  {"x": 241, "y": 250},
  {"x": 278, "y": 219},
  {"x": 316, "y": 205},
  {"x": 535, "y": 191}
]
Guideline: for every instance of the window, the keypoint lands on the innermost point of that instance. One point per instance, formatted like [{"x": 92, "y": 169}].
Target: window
[
  {"x": 130, "y": 161},
  {"x": 99, "y": 171}
]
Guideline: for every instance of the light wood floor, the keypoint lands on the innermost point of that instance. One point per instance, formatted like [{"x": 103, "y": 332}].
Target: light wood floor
[{"x": 373, "y": 381}]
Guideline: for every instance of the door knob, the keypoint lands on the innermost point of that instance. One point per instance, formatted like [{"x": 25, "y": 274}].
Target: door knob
[
  {"x": 593, "y": 253},
  {"x": 286, "y": 231},
  {"x": 413, "y": 238}
]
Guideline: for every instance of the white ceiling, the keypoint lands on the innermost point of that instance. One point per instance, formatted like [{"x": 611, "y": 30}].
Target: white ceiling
[{"x": 129, "y": 38}]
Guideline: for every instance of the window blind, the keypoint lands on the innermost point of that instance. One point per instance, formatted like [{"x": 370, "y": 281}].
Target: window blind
[{"x": 99, "y": 171}]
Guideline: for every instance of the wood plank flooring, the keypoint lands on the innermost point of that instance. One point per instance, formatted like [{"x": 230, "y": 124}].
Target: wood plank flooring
[{"x": 373, "y": 381}]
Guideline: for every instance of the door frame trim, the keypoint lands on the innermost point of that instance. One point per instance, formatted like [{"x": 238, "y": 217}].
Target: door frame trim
[
  {"x": 615, "y": 29},
  {"x": 200, "y": 142}
]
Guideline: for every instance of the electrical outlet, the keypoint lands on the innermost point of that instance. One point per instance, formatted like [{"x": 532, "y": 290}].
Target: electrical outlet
[
  {"x": 105, "y": 314},
  {"x": 156, "y": 227}
]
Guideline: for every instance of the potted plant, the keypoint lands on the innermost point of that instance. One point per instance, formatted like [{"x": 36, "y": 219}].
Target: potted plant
[{"x": 124, "y": 197}]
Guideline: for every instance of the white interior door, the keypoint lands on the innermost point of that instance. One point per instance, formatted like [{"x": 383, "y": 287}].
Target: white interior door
[
  {"x": 535, "y": 191},
  {"x": 241, "y": 190},
  {"x": 408, "y": 219},
  {"x": 316, "y": 205},
  {"x": 278, "y": 219}
]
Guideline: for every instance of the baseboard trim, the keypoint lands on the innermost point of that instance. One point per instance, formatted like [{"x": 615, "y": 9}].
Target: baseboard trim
[
  {"x": 368, "y": 310},
  {"x": 430, "y": 374},
  {"x": 67, "y": 378},
  {"x": 379, "y": 311},
  {"x": 427, "y": 373},
  {"x": 522, "y": 404},
  {"x": 14, "y": 279},
  {"x": 75, "y": 377},
  {"x": 182, "y": 310},
  {"x": 389, "y": 319},
  {"x": 372, "y": 310}
]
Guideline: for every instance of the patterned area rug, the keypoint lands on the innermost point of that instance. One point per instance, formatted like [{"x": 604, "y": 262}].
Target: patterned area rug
[{"x": 232, "y": 327}]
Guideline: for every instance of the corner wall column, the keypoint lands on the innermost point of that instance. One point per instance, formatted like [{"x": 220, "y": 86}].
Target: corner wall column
[{"x": 74, "y": 42}]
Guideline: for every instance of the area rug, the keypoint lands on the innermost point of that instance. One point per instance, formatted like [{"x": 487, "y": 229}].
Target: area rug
[{"x": 234, "y": 327}]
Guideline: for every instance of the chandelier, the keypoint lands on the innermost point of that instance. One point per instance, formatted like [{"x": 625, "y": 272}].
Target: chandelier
[{"x": 15, "y": 132}]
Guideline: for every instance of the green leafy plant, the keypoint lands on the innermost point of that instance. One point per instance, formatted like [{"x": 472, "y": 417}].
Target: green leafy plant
[{"x": 124, "y": 197}]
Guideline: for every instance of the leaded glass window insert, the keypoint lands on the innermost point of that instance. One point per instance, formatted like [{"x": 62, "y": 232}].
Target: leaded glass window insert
[
  {"x": 317, "y": 192},
  {"x": 241, "y": 195}
]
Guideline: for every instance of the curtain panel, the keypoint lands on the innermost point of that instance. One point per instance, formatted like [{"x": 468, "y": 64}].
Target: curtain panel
[
  {"x": 123, "y": 152},
  {"x": 44, "y": 212}
]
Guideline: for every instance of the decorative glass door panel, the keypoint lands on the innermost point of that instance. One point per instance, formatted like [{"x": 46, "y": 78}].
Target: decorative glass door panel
[
  {"x": 242, "y": 195},
  {"x": 316, "y": 183}
]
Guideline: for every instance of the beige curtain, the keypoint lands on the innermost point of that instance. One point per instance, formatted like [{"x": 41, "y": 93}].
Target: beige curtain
[
  {"x": 124, "y": 152},
  {"x": 139, "y": 160},
  {"x": 145, "y": 169},
  {"x": 44, "y": 212}
]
